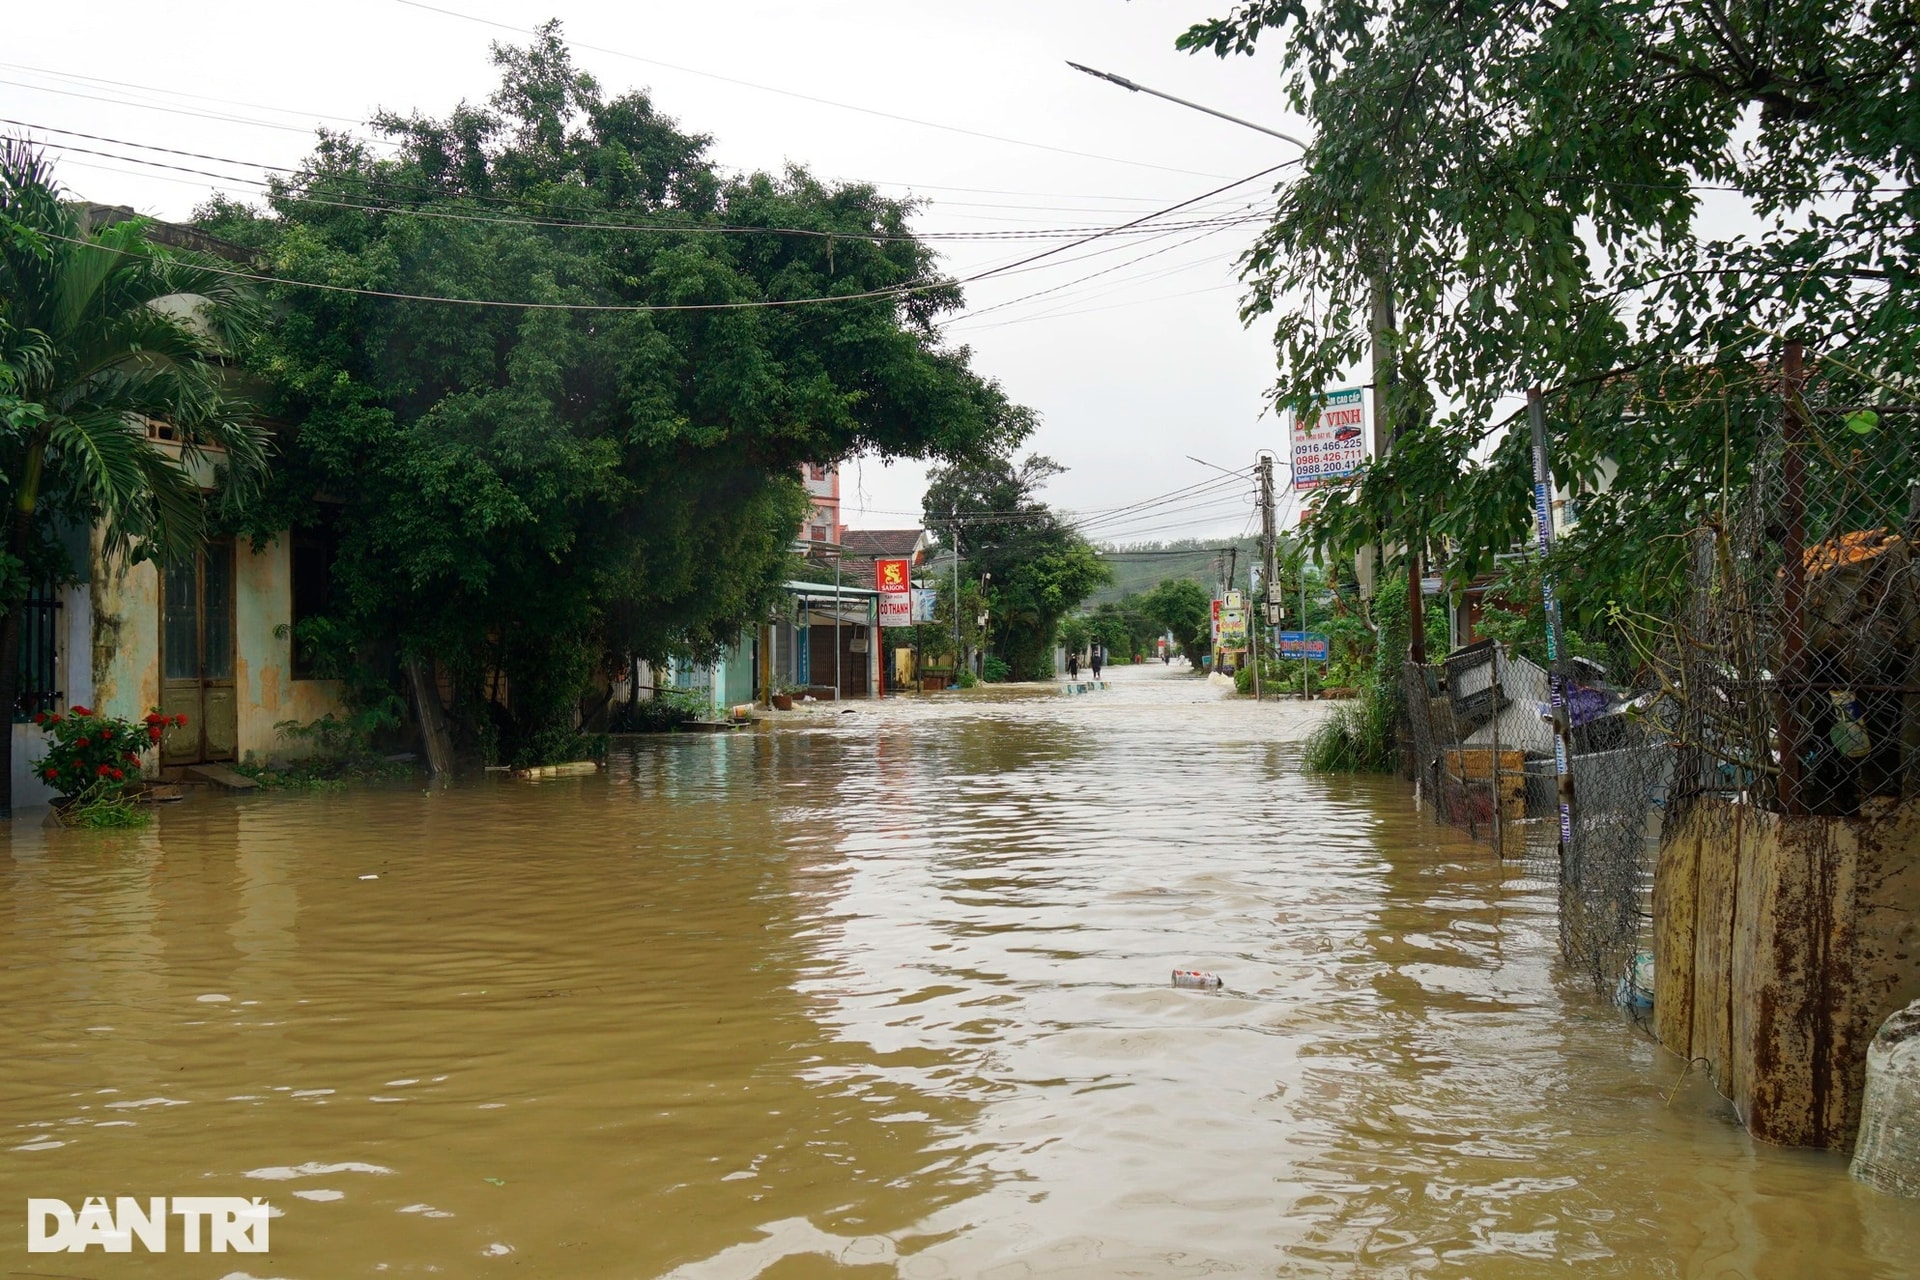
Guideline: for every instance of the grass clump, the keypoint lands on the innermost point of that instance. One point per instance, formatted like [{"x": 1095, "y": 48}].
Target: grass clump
[{"x": 1357, "y": 737}]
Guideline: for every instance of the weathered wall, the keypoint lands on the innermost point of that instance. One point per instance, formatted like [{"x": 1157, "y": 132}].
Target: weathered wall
[
  {"x": 1779, "y": 947},
  {"x": 125, "y": 643},
  {"x": 126, "y": 648},
  {"x": 263, "y": 673}
]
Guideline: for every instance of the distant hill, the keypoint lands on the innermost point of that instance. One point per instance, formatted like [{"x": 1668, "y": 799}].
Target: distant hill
[{"x": 1141, "y": 566}]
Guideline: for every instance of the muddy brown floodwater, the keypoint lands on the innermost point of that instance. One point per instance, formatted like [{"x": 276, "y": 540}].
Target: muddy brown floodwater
[{"x": 881, "y": 994}]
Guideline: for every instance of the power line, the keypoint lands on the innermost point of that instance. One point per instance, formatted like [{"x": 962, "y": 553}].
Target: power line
[
  {"x": 171, "y": 93},
  {"x": 379, "y": 141},
  {"x": 1041, "y": 293},
  {"x": 807, "y": 97},
  {"x": 155, "y": 106},
  {"x": 1220, "y": 222},
  {"x": 892, "y": 291}
]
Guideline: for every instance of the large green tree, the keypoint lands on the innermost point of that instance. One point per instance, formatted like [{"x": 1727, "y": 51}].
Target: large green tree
[
  {"x": 523, "y": 491},
  {"x": 1034, "y": 567},
  {"x": 1182, "y": 606},
  {"x": 101, "y": 330},
  {"x": 1630, "y": 204}
]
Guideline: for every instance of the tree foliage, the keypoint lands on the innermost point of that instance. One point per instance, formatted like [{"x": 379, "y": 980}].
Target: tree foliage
[
  {"x": 1630, "y": 204},
  {"x": 525, "y": 492},
  {"x": 1035, "y": 569},
  {"x": 1184, "y": 607}
]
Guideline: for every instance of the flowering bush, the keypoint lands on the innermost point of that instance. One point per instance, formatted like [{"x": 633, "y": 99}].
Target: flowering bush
[{"x": 94, "y": 753}]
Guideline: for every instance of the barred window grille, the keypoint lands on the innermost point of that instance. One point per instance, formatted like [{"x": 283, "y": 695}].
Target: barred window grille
[{"x": 39, "y": 655}]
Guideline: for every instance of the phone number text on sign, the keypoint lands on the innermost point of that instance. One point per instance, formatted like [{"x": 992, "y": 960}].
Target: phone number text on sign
[{"x": 1336, "y": 445}]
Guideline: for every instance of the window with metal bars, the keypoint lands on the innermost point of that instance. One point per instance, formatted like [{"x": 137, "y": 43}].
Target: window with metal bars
[{"x": 39, "y": 655}]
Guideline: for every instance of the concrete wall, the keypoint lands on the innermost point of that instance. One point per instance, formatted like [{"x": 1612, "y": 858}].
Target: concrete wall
[
  {"x": 263, "y": 670},
  {"x": 1780, "y": 945},
  {"x": 110, "y": 656}
]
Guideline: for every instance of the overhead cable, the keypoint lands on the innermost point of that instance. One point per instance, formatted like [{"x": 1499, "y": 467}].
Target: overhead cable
[
  {"x": 891, "y": 291},
  {"x": 807, "y": 97}
]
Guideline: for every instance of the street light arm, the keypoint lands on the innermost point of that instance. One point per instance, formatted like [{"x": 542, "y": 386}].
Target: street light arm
[{"x": 1127, "y": 84}]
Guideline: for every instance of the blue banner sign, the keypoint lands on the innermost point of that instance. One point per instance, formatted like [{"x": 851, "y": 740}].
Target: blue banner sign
[{"x": 1310, "y": 645}]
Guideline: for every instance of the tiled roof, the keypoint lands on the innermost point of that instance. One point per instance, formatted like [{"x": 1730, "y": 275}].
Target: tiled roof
[{"x": 882, "y": 542}]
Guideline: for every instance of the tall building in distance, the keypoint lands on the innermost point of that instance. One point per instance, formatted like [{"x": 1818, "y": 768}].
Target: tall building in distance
[{"x": 822, "y": 527}]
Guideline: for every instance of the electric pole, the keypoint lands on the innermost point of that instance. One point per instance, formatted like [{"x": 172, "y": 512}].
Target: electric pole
[
  {"x": 1385, "y": 372},
  {"x": 1270, "y": 571},
  {"x": 1267, "y": 574}
]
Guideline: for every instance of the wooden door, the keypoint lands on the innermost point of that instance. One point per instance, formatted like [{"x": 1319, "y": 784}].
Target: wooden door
[{"x": 196, "y": 657}]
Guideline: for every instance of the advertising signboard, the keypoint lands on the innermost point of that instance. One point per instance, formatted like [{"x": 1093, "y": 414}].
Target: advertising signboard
[
  {"x": 1311, "y": 645},
  {"x": 924, "y": 600},
  {"x": 891, "y": 575},
  {"x": 1233, "y": 628},
  {"x": 1336, "y": 444},
  {"x": 896, "y": 609}
]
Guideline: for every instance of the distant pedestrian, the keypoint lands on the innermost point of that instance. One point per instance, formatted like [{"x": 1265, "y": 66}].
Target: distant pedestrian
[
  {"x": 1073, "y": 666},
  {"x": 1166, "y": 657},
  {"x": 1097, "y": 657}
]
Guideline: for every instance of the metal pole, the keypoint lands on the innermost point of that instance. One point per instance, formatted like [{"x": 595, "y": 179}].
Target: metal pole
[
  {"x": 836, "y": 628},
  {"x": 1265, "y": 463},
  {"x": 1793, "y": 573},
  {"x": 953, "y": 528},
  {"x": 1499, "y": 831},
  {"x": 1556, "y": 641},
  {"x": 1306, "y": 650},
  {"x": 1125, "y": 83},
  {"x": 1305, "y": 689}
]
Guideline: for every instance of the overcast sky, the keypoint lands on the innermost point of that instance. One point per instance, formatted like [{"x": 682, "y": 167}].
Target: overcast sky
[{"x": 1130, "y": 371}]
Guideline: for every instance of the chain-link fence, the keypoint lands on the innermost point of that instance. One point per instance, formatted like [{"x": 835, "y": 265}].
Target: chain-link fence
[
  {"x": 1484, "y": 754},
  {"x": 1797, "y": 668},
  {"x": 1791, "y": 681}
]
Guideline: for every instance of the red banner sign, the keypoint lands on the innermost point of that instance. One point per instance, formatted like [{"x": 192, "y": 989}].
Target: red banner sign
[{"x": 891, "y": 576}]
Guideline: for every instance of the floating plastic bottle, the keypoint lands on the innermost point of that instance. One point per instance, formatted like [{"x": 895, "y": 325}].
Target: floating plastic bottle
[{"x": 1195, "y": 980}]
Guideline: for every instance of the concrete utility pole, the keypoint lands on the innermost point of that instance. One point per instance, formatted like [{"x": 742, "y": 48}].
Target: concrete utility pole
[
  {"x": 1268, "y": 575},
  {"x": 1383, "y": 364},
  {"x": 953, "y": 530}
]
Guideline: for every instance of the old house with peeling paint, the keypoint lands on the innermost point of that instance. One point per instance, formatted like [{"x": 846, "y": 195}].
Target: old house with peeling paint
[{"x": 210, "y": 639}]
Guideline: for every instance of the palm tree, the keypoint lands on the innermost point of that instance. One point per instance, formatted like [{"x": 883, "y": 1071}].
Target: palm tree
[{"x": 99, "y": 332}]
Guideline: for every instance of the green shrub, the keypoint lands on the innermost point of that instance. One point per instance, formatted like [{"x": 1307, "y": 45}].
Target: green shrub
[
  {"x": 341, "y": 748},
  {"x": 105, "y": 808},
  {"x": 666, "y": 711},
  {"x": 995, "y": 671},
  {"x": 1357, "y": 737}
]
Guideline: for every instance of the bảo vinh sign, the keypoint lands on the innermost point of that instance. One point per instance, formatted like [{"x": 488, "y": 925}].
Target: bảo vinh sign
[{"x": 1336, "y": 444}]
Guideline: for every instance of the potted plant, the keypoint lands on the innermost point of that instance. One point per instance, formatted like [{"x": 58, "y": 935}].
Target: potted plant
[
  {"x": 783, "y": 696},
  {"x": 93, "y": 760}
]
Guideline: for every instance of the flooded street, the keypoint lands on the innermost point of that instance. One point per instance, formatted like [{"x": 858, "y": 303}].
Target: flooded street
[{"x": 880, "y": 993}]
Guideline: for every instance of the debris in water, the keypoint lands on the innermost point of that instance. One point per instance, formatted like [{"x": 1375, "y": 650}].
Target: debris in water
[
  {"x": 1196, "y": 980},
  {"x": 369, "y": 877}
]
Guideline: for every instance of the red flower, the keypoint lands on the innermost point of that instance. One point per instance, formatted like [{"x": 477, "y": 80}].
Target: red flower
[
  {"x": 132, "y": 758},
  {"x": 105, "y": 769},
  {"x": 117, "y": 775},
  {"x": 154, "y": 717},
  {"x": 52, "y": 773},
  {"x": 154, "y": 733},
  {"x": 55, "y": 718},
  {"x": 81, "y": 711},
  {"x": 39, "y": 717},
  {"x": 181, "y": 721}
]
